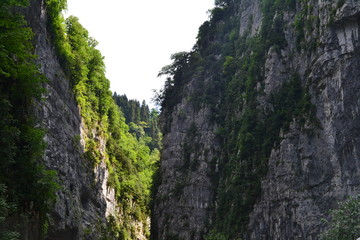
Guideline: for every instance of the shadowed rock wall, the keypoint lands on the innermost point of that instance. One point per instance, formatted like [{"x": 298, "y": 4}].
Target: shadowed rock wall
[{"x": 310, "y": 169}]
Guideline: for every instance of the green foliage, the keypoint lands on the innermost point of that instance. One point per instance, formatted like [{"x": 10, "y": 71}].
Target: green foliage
[
  {"x": 201, "y": 61},
  {"x": 299, "y": 30},
  {"x": 24, "y": 180},
  {"x": 290, "y": 102},
  {"x": 229, "y": 66},
  {"x": 169, "y": 95},
  {"x": 154, "y": 131},
  {"x": 132, "y": 109},
  {"x": 130, "y": 161},
  {"x": 19, "y": 76},
  {"x": 307, "y": 23},
  {"x": 6, "y": 209},
  {"x": 250, "y": 131},
  {"x": 291, "y": 4},
  {"x": 217, "y": 14},
  {"x": 345, "y": 222},
  {"x": 88, "y": 74},
  {"x": 56, "y": 25},
  {"x": 28, "y": 184},
  {"x": 213, "y": 235}
]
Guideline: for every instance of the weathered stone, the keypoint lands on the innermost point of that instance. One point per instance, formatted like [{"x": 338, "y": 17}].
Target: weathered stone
[
  {"x": 310, "y": 172},
  {"x": 312, "y": 168},
  {"x": 84, "y": 201},
  {"x": 185, "y": 199}
]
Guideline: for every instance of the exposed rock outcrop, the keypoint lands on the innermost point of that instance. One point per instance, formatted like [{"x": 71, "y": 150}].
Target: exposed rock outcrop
[
  {"x": 313, "y": 166},
  {"x": 185, "y": 199},
  {"x": 310, "y": 172},
  {"x": 84, "y": 199}
]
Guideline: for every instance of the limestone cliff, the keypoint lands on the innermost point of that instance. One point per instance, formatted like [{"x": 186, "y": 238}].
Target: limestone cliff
[
  {"x": 309, "y": 173},
  {"x": 260, "y": 123},
  {"x": 86, "y": 206},
  {"x": 84, "y": 201}
]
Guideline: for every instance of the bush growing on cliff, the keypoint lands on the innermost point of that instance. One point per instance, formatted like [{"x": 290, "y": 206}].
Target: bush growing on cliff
[
  {"x": 345, "y": 222},
  {"x": 6, "y": 209},
  {"x": 213, "y": 235}
]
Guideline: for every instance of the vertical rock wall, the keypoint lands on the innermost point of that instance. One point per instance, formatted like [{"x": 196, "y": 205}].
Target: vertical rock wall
[
  {"x": 185, "y": 199},
  {"x": 84, "y": 200},
  {"x": 313, "y": 169},
  {"x": 314, "y": 165}
]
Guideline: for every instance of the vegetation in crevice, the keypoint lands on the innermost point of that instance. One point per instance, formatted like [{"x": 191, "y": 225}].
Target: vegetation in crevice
[
  {"x": 250, "y": 130},
  {"x": 248, "y": 142},
  {"x": 191, "y": 147},
  {"x": 27, "y": 188},
  {"x": 345, "y": 221},
  {"x": 230, "y": 67},
  {"x": 307, "y": 27}
]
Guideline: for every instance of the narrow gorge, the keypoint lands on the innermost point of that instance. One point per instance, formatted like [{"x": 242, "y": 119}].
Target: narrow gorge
[{"x": 257, "y": 137}]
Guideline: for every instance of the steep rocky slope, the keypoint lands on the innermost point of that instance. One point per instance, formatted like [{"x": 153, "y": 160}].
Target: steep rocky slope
[
  {"x": 84, "y": 201},
  {"x": 261, "y": 122},
  {"x": 309, "y": 173},
  {"x": 93, "y": 155}
]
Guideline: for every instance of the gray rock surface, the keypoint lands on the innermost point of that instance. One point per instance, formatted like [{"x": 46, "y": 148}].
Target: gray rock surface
[
  {"x": 311, "y": 169},
  {"x": 84, "y": 200},
  {"x": 185, "y": 199}
]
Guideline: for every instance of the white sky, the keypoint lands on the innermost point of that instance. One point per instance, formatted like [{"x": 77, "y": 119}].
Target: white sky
[{"x": 137, "y": 37}]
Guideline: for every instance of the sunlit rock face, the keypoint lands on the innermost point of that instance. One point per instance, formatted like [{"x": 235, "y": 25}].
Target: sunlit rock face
[
  {"x": 310, "y": 169},
  {"x": 84, "y": 200}
]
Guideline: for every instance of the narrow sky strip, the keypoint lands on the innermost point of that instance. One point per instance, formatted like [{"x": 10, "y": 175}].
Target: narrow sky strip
[{"x": 138, "y": 37}]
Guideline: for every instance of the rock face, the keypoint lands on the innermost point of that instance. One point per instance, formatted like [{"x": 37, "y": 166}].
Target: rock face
[
  {"x": 185, "y": 199},
  {"x": 309, "y": 173},
  {"x": 84, "y": 200},
  {"x": 310, "y": 169}
]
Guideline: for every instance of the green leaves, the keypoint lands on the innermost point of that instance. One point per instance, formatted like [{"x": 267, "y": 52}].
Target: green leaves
[
  {"x": 250, "y": 129},
  {"x": 6, "y": 209},
  {"x": 17, "y": 62},
  {"x": 55, "y": 7},
  {"x": 130, "y": 161},
  {"x": 29, "y": 185},
  {"x": 213, "y": 235},
  {"x": 345, "y": 222},
  {"x": 17, "y": 3}
]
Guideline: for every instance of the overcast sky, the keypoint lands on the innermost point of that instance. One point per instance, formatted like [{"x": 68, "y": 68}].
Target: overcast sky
[{"x": 137, "y": 37}]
